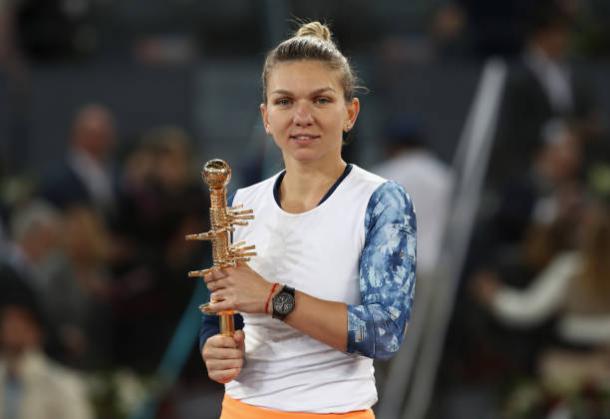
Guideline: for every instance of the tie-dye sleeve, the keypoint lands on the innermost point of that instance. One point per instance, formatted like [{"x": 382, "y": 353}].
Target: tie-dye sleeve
[{"x": 377, "y": 326}]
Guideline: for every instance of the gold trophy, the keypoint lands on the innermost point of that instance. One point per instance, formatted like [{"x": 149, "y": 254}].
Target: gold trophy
[{"x": 216, "y": 174}]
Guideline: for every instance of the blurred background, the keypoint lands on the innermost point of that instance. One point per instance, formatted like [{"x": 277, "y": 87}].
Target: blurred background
[{"x": 493, "y": 114}]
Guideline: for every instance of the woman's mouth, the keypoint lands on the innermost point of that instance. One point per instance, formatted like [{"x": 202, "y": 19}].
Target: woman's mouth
[{"x": 303, "y": 138}]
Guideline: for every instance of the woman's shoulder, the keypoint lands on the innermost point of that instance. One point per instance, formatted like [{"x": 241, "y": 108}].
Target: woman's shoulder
[
  {"x": 365, "y": 176},
  {"x": 382, "y": 188},
  {"x": 390, "y": 204}
]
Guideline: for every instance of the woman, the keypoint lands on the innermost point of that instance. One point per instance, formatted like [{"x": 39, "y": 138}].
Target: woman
[
  {"x": 575, "y": 289},
  {"x": 332, "y": 285}
]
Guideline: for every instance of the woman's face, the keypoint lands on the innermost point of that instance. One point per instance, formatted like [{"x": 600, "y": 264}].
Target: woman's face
[{"x": 306, "y": 112}]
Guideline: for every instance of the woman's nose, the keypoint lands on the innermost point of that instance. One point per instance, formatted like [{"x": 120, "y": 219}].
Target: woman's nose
[{"x": 302, "y": 115}]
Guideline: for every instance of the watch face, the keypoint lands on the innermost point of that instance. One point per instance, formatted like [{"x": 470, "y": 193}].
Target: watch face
[{"x": 283, "y": 303}]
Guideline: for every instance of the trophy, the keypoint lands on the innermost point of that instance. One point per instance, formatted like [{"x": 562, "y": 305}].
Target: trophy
[{"x": 216, "y": 174}]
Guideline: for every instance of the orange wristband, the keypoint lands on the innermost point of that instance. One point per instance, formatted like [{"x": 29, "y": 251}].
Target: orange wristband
[{"x": 269, "y": 297}]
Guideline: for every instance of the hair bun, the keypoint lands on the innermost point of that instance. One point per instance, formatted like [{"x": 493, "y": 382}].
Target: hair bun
[{"x": 315, "y": 29}]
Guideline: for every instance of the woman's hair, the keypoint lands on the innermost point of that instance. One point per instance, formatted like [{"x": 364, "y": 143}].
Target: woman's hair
[
  {"x": 312, "y": 41},
  {"x": 590, "y": 293},
  {"x": 597, "y": 249}
]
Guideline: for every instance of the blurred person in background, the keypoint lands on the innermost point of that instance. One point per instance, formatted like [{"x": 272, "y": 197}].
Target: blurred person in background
[
  {"x": 429, "y": 180},
  {"x": 547, "y": 194},
  {"x": 85, "y": 177},
  {"x": 185, "y": 204},
  {"x": 28, "y": 255},
  {"x": 411, "y": 162},
  {"x": 543, "y": 85},
  {"x": 78, "y": 298},
  {"x": 62, "y": 257},
  {"x": 574, "y": 288},
  {"x": 31, "y": 385},
  {"x": 161, "y": 199},
  {"x": 34, "y": 240},
  {"x": 538, "y": 212},
  {"x": 533, "y": 221},
  {"x": 161, "y": 195},
  {"x": 44, "y": 260}
]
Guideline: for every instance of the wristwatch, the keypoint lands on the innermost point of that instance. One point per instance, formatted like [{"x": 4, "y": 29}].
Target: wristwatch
[{"x": 283, "y": 303}]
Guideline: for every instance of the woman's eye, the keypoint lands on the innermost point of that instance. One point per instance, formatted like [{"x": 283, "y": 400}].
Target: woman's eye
[{"x": 282, "y": 101}]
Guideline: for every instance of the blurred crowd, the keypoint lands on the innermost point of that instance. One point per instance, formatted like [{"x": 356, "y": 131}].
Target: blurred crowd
[
  {"x": 530, "y": 332},
  {"x": 93, "y": 259}
]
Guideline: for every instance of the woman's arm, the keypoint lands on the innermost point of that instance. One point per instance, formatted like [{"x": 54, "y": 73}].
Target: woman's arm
[
  {"x": 244, "y": 290},
  {"x": 535, "y": 304},
  {"x": 377, "y": 326},
  {"x": 374, "y": 328}
]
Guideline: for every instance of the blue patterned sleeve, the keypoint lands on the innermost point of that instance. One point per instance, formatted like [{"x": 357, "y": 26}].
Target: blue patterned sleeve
[{"x": 376, "y": 327}]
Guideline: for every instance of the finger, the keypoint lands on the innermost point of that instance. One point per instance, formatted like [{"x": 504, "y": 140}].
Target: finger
[
  {"x": 219, "y": 273},
  {"x": 224, "y": 376},
  {"x": 221, "y": 299},
  {"x": 208, "y": 277},
  {"x": 218, "y": 306},
  {"x": 217, "y": 297},
  {"x": 242, "y": 263},
  {"x": 213, "y": 275},
  {"x": 239, "y": 337},
  {"x": 217, "y": 285},
  {"x": 215, "y": 354},
  {"x": 220, "y": 341},
  {"x": 224, "y": 364}
]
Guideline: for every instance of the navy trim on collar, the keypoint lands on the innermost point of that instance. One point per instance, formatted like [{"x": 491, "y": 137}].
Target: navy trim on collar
[{"x": 278, "y": 182}]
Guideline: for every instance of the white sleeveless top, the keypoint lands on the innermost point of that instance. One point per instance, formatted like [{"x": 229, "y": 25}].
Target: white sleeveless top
[{"x": 316, "y": 252}]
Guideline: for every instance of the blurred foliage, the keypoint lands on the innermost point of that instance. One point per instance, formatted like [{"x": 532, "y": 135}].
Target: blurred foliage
[
  {"x": 531, "y": 399},
  {"x": 118, "y": 394}
]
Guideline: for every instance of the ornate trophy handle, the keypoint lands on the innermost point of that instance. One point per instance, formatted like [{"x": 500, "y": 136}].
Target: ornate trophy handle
[{"x": 216, "y": 174}]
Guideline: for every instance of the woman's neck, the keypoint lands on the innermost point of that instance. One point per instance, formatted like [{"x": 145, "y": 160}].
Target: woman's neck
[{"x": 304, "y": 185}]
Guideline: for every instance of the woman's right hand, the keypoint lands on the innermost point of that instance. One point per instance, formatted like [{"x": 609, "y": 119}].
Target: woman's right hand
[{"x": 224, "y": 356}]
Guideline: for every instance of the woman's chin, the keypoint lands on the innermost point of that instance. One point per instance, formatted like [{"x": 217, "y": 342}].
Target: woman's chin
[{"x": 304, "y": 155}]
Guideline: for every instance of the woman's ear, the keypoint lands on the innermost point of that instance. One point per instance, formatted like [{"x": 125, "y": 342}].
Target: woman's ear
[
  {"x": 353, "y": 109},
  {"x": 265, "y": 117}
]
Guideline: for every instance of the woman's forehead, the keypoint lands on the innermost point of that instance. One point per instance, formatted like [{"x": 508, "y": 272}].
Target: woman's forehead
[{"x": 303, "y": 76}]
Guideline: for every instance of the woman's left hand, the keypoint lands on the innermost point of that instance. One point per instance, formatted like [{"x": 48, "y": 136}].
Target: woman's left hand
[{"x": 239, "y": 288}]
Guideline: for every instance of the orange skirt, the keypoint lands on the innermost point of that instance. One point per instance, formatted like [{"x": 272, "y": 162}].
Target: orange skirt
[{"x": 234, "y": 409}]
